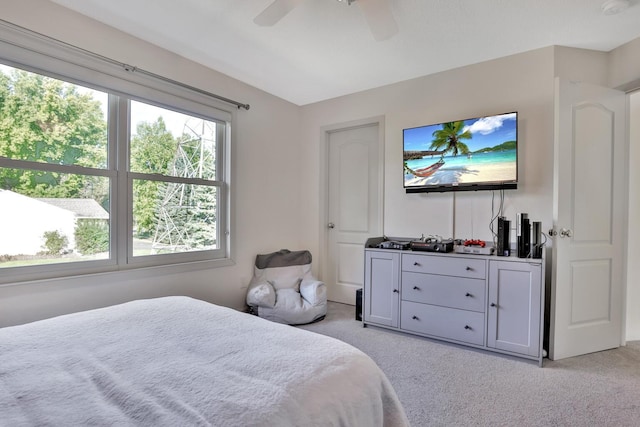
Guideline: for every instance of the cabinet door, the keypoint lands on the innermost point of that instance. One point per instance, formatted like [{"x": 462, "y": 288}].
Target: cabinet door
[
  {"x": 381, "y": 288},
  {"x": 514, "y": 317}
]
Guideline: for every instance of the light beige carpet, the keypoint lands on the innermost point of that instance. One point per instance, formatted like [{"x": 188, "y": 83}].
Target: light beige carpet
[{"x": 441, "y": 384}]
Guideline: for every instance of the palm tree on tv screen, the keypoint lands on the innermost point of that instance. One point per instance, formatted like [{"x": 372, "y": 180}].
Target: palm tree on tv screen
[{"x": 449, "y": 139}]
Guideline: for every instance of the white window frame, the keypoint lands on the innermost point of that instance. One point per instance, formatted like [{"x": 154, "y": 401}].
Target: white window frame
[{"x": 39, "y": 54}]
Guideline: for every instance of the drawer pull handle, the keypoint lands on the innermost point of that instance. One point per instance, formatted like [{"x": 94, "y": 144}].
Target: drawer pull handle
[
  {"x": 416, "y": 288},
  {"x": 395, "y": 291},
  {"x": 415, "y": 318},
  {"x": 493, "y": 304},
  {"x": 469, "y": 268},
  {"x": 467, "y": 327},
  {"x": 468, "y": 295},
  {"x": 416, "y": 263}
]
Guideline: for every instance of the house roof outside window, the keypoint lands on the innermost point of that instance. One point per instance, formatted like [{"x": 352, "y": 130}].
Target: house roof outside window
[{"x": 82, "y": 208}]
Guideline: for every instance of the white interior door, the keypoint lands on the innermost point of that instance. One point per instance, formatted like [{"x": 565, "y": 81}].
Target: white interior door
[
  {"x": 354, "y": 211},
  {"x": 589, "y": 218}
]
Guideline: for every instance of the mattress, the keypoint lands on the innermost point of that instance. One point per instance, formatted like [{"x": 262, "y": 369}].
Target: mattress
[{"x": 181, "y": 361}]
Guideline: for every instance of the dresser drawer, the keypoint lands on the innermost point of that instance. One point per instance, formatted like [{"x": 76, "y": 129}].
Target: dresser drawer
[
  {"x": 449, "y": 291},
  {"x": 443, "y": 322},
  {"x": 445, "y": 265}
]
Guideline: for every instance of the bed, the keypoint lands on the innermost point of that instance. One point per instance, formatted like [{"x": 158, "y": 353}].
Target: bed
[{"x": 178, "y": 361}]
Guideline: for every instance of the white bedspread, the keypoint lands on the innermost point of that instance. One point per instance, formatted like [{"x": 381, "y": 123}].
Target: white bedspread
[{"x": 177, "y": 361}]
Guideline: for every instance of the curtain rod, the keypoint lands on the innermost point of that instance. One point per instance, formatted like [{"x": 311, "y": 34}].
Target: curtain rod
[
  {"x": 133, "y": 69},
  {"x": 127, "y": 67}
]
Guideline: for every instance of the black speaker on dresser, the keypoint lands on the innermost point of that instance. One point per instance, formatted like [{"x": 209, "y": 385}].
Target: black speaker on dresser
[
  {"x": 504, "y": 237},
  {"x": 536, "y": 240},
  {"x": 523, "y": 236}
]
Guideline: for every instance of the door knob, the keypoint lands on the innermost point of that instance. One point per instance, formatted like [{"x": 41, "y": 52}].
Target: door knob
[
  {"x": 566, "y": 232},
  {"x": 331, "y": 225}
]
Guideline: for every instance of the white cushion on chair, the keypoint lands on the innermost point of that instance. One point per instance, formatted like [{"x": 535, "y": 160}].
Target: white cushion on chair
[
  {"x": 314, "y": 291},
  {"x": 261, "y": 294}
]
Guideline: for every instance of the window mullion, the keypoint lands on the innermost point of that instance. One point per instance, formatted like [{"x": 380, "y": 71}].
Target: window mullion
[
  {"x": 119, "y": 115},
  {"x": 222, "y": 174}
]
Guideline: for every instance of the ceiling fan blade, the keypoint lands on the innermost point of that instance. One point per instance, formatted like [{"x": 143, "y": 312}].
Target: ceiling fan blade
[
  {"x": 275, "y": 12},
  {"x": 379, "y": 17}
]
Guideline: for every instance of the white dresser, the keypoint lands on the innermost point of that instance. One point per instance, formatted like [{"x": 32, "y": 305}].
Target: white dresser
[{"x": 489, "y": 302}]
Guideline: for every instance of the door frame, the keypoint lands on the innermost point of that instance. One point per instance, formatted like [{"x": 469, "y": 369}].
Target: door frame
[{"x": 325, "y": 133}]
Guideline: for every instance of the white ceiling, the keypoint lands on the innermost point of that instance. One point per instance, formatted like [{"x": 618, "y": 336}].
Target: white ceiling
[{"x": 324, "y": 49}]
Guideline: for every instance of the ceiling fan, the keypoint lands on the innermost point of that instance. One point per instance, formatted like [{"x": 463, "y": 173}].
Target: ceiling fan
[{"x": 377, "y": 13}]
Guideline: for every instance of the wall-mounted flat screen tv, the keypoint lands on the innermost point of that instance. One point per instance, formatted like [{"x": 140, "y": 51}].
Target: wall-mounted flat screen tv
[{"x": 463, "y": 155}]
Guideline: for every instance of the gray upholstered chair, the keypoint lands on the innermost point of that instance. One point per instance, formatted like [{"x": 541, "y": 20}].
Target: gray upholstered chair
[{"x": 283, "y": 289}]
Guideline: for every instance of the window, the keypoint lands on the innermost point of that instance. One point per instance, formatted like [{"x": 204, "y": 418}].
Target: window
[
  {"x": 94, "y": 180},
  {"x": 174, "y": 176}
]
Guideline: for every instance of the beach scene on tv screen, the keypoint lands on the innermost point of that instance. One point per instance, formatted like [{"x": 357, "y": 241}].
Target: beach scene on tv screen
[{"x": 473, "y": 151}]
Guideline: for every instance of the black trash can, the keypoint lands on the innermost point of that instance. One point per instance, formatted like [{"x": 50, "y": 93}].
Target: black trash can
[{"x": 359, "y": 305}]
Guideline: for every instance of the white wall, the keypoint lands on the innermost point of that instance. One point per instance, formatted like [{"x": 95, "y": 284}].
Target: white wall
[
  {"x": 581, "y": 65},
  {"x": 266, "y": 203},
  {"x": 624, "y": 66},
  {"x": 522, "y": 83}
]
